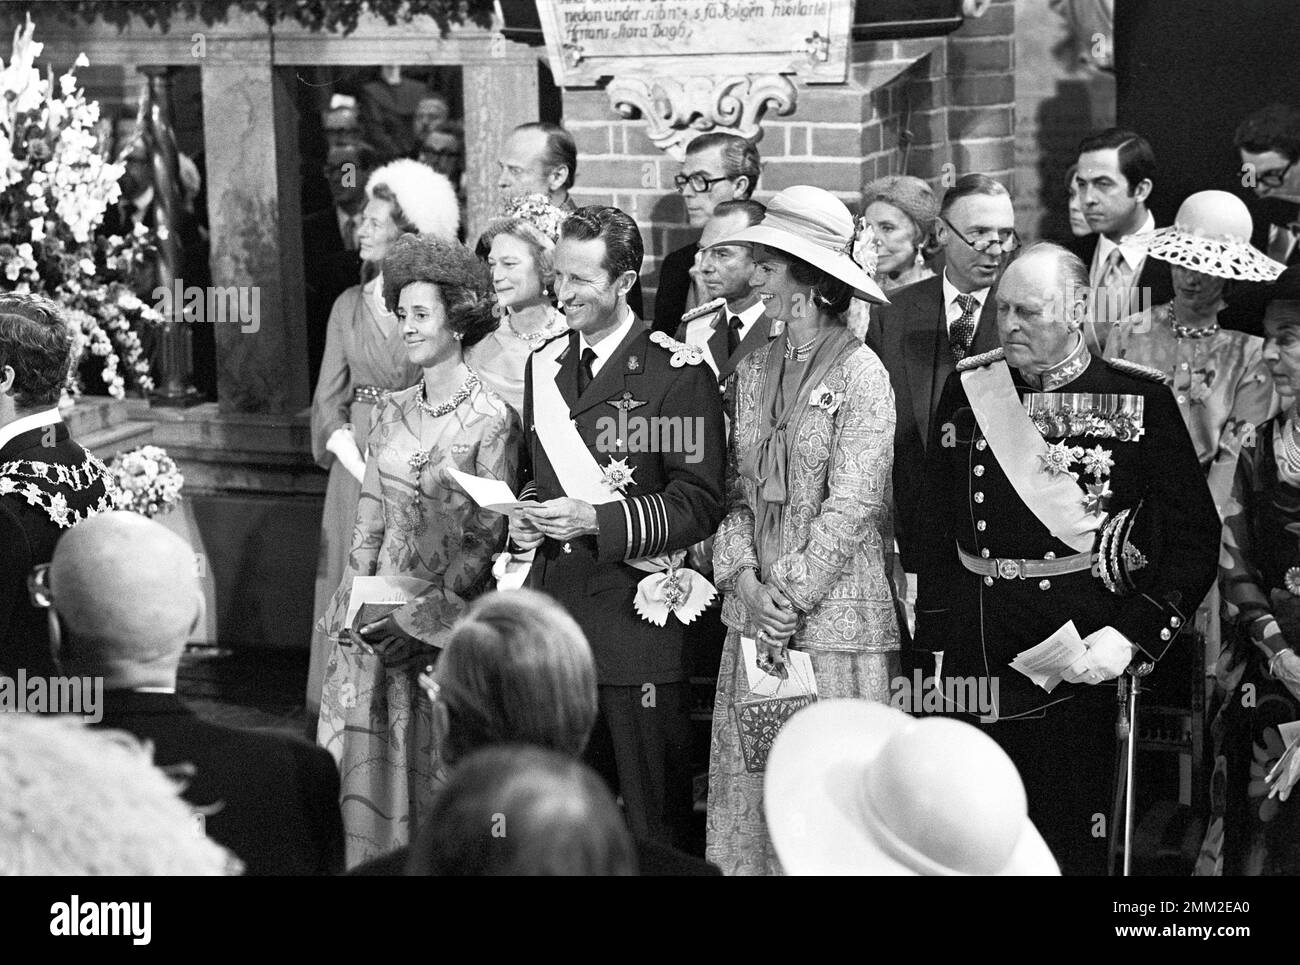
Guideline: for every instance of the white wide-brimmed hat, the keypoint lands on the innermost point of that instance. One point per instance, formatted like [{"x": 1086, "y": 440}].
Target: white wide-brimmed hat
[
  {"x": 1212, "y": 235},
  {"x": 854, "y": 787},
  {"x": 816, "y": 227}
]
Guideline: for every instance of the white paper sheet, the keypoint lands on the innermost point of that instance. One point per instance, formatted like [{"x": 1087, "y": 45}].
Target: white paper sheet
[
  {"x": 799, "y": 677},
  {"x": 491, "y": 494},
  {"x": 1045, "y": 663},
  {"x": 382, "y": 589}
]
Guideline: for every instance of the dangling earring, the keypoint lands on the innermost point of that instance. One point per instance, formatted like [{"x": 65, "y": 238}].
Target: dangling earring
[
  {"x": 458, "y": 335},
  {"x": 820, "y": 299}
]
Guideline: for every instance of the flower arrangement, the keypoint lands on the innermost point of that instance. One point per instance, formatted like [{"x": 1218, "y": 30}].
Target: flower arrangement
[
  {"x": 148, "y": 480},
  {"x": 55, "y": 186}
]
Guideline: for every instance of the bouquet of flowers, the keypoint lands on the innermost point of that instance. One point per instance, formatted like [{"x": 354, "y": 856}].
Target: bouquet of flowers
[
  {"x": 148, "y": 480},
  {"x": 55, "y": 186}
]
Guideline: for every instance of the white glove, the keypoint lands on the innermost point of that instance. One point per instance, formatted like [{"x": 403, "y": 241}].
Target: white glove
[
  {"x": 344, "y": 446},
  {"x": 1284, "y": 773},
  {"x": 1109, "y": 653},
  {"x": 1286, "y": 668}
]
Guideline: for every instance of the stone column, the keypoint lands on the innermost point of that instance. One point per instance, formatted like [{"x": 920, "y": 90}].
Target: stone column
[
  {"x": 498, "y": 95},
  {"x": 250, "y": 134}
]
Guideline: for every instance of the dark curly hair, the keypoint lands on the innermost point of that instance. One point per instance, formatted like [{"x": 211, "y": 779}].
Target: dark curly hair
[
  {"x": 37, "y": 343},
  {"x": 461, "y": 278}
]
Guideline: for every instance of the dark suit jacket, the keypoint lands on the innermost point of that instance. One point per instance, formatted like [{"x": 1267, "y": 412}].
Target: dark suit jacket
[
  {"x": 28, "y": 536},
  {"x": 275, "y": 798},
  {"x": 910, "y": 335},
  {"x": 330, "y": 269},
  {"x": 674, "y": 287},
  {"x": 675, "y": 499},
  {"x": 1154, "y": 281}
]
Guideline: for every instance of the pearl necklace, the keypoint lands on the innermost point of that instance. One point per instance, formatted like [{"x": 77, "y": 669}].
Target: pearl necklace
[
  {"x": 1290, "y": 444},
  {"x": 1190, "y": 331},
  {"x": 461, "y": 395},
  {"x": 799, "y": 353},
  {"x": 551, "y": 330}
]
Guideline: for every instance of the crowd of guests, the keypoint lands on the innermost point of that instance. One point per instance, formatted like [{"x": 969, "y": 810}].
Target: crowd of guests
[{"x": 904, "y": 441}]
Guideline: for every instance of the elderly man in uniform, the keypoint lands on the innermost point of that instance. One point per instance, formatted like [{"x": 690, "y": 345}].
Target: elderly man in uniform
[
  {"x": 1059, "y": 487},
  {"x": 626, "y": 463}
]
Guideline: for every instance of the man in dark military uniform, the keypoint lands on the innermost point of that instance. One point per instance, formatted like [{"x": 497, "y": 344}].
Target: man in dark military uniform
[
  {"x": 48, "y": 483},
  {"x": 626, "y": 459},
  {"x": 1058, "y": 488}
]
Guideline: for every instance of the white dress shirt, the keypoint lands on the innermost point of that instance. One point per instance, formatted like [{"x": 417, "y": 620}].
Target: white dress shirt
[
  {"x": 607, "y": 344},
  {"x": 1133, "y": 253},
  {"x": 699, "y": 330}
]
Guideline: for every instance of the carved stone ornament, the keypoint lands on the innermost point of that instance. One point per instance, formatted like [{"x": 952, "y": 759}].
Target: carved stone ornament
[{"x": 676, "y": 110}]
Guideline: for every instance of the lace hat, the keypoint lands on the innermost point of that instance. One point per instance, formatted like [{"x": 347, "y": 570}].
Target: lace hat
[
  {"x": 814, "y": 226},
  {"x": 1211, "y": 234}
]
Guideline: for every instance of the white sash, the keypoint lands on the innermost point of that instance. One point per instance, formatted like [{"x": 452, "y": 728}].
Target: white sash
[
  {"x": 1016, "y": 442},
  {"x": 582, "y": 478}
]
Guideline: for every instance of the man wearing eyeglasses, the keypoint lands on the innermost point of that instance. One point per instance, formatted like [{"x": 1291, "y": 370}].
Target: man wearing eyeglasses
[
  {"x": 933, "y": 324},
  {"x": 718, "y": 167},
  {"x": 48, "y": 483},
  {"x": 1269, "y": 144},
  {"x": 1115, "y": 177}
]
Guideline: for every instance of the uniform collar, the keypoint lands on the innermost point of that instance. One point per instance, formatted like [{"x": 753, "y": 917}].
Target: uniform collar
[
  {"x": 1063, "y": 372},
  {"x": 36, "y": 420}
]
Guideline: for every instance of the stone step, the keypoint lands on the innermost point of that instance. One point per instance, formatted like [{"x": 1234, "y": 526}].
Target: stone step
[{"x": 106, "y": 443}]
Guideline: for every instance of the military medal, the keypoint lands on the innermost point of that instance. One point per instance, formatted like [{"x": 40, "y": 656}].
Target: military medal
[
  {"x": 618, "y": 474},
  {"x": 1104, "y": 415},
  {"x": 1097, "y": 498},
  {"x": 1292, "y": 581},
  {"x": 1059, "y": 457}
]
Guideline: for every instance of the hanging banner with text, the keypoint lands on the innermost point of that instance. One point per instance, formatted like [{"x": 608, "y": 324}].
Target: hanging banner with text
[{"x": 590, "y": 39}]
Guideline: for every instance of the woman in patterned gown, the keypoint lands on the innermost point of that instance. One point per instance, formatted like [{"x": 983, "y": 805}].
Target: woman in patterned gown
[
  {"x": 413, "y": 521},
  {"x": 801, "y": 555},
  {"x": 1259, "y": 670},
  {"x": 364, "y": 357}
]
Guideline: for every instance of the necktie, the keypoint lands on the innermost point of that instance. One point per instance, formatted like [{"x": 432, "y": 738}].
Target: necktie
[
  {"x": 733, "y": 335},
  {"x": 1112, "y": 292},
  {"x": 963, "y": 330},
  {"x": 350, "y": 232},
  {"x": 584, "y": 370}
]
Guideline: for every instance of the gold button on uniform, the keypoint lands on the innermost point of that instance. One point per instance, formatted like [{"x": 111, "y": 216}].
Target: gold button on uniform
[
  {"x": 979, "y": 497},
  {"x": 981, "y": 525},
  {"x": 1045, "y": 584},
  {"x": 1165, "y": 634},
  {"x": 1049, "y": 556},
  {"x": 988, "y": 581},
  {"x": 978, "y": 470},
  {"x": 984, "y": 553},
  {"x": 981, "y": 445}
]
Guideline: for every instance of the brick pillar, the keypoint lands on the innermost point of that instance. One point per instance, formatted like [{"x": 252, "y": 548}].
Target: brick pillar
[{"x": 982, "y": 94}]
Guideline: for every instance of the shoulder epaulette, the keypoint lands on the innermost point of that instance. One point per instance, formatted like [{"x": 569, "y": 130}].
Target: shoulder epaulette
[
  {"x": 1134, "y": 368},
  {"x": 683, "y": 354},
  {"x": 698, "y": 310},
  {"x": 984, "y": 358}
]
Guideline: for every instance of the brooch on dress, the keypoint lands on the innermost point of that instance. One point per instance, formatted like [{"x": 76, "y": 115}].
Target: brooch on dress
[
  {"x": 825, "y": 399},
  {"x": 418, "y": 460},
  {"x": 683, "y": 354}
]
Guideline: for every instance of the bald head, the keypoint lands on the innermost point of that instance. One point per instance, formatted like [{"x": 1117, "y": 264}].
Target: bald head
[{"x": 128, "y": 598}]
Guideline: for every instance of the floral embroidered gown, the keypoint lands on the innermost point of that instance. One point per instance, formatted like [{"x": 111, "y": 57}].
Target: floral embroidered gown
[
  {"x": 1261, "y": 578},
  {"x": 835, "y": 537},
  {"x": 412, "y": 520}
]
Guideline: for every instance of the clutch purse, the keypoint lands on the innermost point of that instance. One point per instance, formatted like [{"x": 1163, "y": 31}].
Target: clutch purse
[{"x": 760, "y": 716}]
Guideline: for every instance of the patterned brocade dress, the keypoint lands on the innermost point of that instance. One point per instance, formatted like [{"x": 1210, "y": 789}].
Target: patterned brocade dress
[
  {"x": 834, "y": 540},
  {"x": 411, "y": 521}
]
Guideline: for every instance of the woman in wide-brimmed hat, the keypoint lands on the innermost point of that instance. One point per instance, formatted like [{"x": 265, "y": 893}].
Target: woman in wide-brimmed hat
[
  {"x": 800, "y": 557},
  {"x": 1218, "y": 377}
]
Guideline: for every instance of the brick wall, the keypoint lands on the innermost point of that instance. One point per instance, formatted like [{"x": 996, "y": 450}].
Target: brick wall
[{"x": 954, "y": 96}]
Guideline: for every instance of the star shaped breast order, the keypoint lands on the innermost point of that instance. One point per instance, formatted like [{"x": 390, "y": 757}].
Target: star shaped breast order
[{"x": 618, "y": 474}]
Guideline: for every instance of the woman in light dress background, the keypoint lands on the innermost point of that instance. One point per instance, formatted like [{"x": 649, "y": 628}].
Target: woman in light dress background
[
  {"x": 364, "y": 358},
  {"x": 414, "y": 521}
]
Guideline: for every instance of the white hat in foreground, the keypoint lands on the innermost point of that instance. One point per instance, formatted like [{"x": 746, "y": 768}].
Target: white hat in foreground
[
  {"x": 855, "y": 787},
  {"x": 814, "y": 226}
]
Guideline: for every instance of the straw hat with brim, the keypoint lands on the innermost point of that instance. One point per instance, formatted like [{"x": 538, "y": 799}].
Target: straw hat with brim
[
  {"x": 1212, "y": 235},
  {"x": 855, "y": 787},
  {"x": 816, "y": 227}
]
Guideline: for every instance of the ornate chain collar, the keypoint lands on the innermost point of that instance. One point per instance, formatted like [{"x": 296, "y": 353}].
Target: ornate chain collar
[
  {"x": 55, "y": 504},
  {"x": 450, "y": 405}
]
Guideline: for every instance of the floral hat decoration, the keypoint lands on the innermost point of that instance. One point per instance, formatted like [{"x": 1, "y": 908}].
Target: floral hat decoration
[
  {"x": 537, "y": 211},
  {"x": 1211, "y": 234}
]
